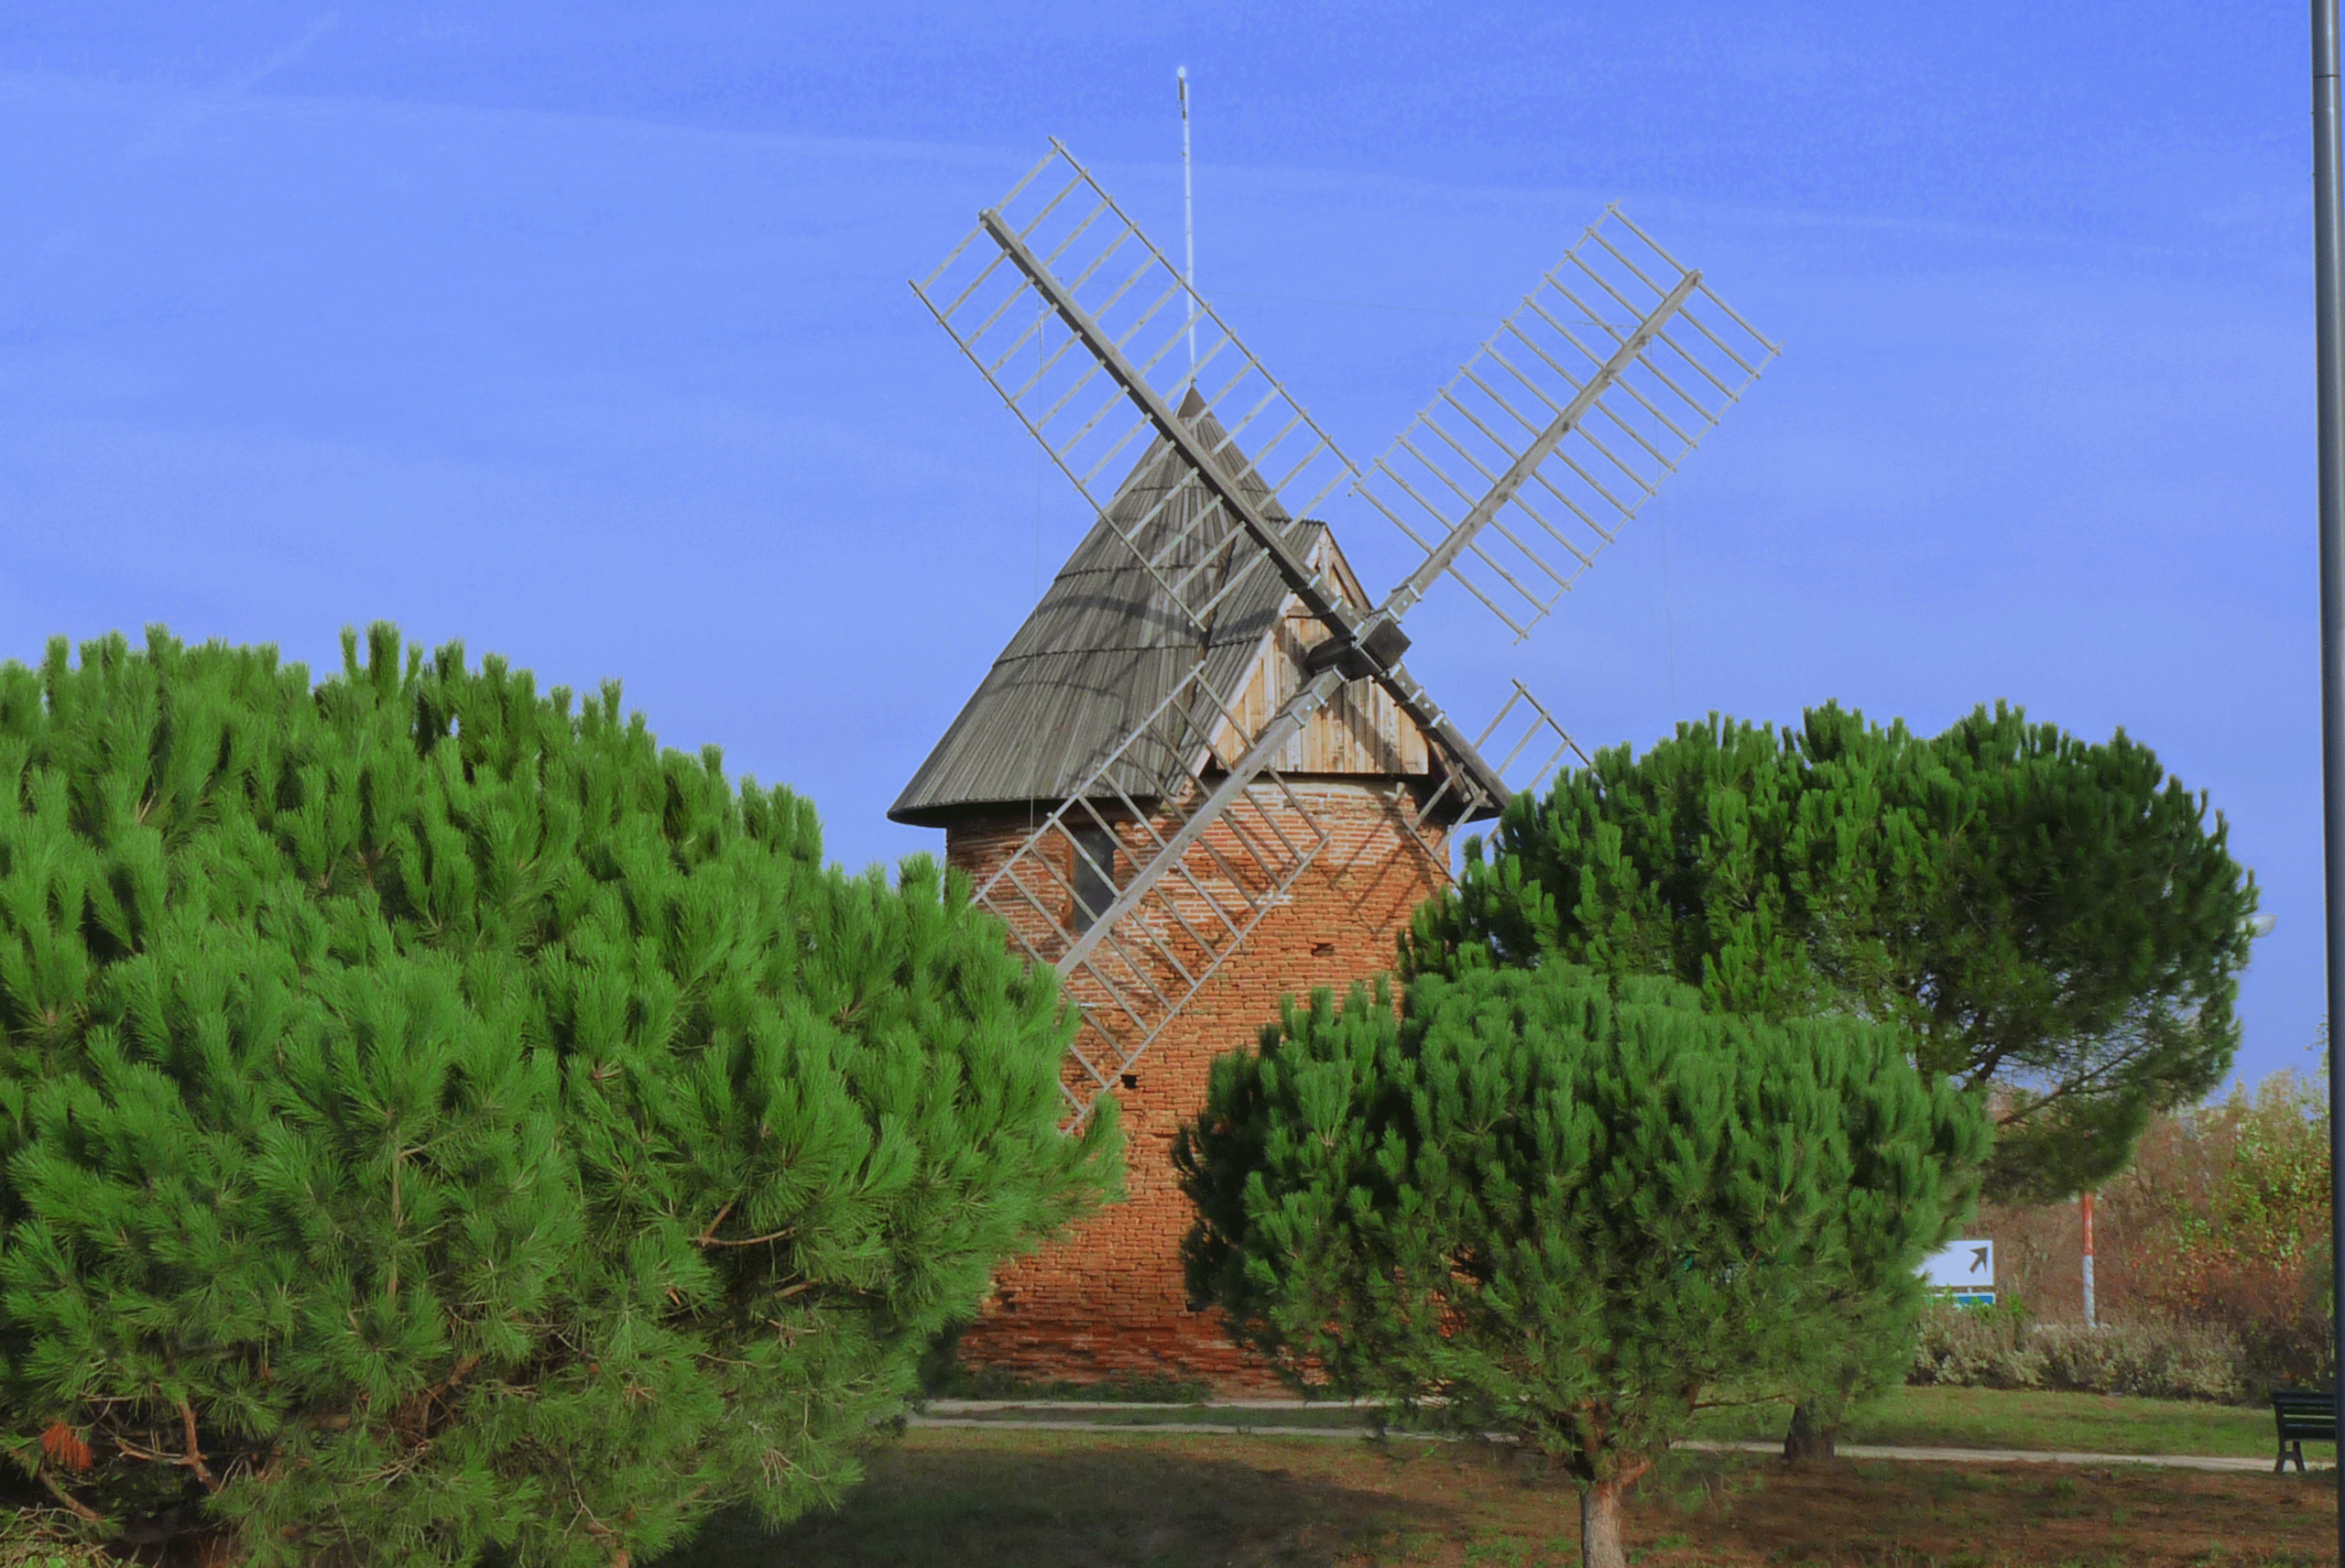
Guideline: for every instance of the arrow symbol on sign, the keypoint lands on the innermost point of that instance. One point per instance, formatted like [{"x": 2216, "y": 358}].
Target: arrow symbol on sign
[{"x": 1977, "y": 1259}]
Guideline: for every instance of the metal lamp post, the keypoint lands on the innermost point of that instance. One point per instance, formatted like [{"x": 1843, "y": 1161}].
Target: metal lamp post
[{"x": 2328, "y": 317}]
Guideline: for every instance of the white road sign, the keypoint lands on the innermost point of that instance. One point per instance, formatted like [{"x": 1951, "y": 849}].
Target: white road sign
[{"x": 1961, "y": 1266}]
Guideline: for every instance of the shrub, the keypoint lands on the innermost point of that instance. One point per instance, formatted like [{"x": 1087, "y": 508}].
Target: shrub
[
  {"x": 434, "y": 1121},
  {"x": 1980, "y": 1347},
  {"x": 1567, "y": 1207},
  {"x": 2152, "y": 1360},
  {"x": 2003, "y": 1347}
]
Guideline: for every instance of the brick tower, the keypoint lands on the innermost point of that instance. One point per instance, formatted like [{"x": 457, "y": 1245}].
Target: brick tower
[{"x": 1372, "y": 798}]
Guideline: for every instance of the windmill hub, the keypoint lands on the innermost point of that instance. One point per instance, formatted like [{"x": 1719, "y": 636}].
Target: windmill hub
[{"x": 1365, "y": 656}]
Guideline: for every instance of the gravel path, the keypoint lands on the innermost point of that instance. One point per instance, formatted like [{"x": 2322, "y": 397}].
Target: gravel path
[{"x": 972, "y": 1414}]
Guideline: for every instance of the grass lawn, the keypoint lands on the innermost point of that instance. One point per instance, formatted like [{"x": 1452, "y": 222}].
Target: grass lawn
[
  {"x": 964, "y": 1498},
  {"x": 1995, "y": 1418},
  {"x": 1940, "y": 1418}
]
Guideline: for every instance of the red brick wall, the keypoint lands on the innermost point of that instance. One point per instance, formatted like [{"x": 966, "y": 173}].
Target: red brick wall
[{"x": 1109, "y": 1302}]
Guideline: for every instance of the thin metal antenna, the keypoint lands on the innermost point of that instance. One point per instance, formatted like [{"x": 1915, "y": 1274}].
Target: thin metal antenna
[{"x": 1188, "y": 218}]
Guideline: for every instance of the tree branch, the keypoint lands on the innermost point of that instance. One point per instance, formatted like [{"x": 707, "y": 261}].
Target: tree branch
[
  {"x": 194, "y": 1460},
  {"x": 709, "y": 1235},
  {"x": 82, "y": 1511},
  {"x": 2081, "y": 1083},
  {"x": 457, "y": 1374},
  {"x": 747, "y": 1240}
]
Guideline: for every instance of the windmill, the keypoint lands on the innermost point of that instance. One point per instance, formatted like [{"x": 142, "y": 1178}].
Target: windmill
[{"x": 1169, "y": 829}]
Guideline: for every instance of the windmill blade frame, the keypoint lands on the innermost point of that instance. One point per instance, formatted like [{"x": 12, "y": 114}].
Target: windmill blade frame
[
  {"x": 1361, "y": 644},
  {"x": 1226, "y": 518},
  {"x": 1539, "y": 728},
  {"x": 1554, "y": 446},
  {"x": 1064, "y": 250}
]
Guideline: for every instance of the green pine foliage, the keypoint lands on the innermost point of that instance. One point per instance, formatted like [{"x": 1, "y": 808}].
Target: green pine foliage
[
  {"x": 2058, "y": 921},
  {"x": 436, "y": 1122},
  {"x": 1574, "y": 1208}
]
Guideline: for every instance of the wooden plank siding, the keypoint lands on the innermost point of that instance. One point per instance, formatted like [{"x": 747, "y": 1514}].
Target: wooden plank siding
[{"x": 1361, "y": 733}]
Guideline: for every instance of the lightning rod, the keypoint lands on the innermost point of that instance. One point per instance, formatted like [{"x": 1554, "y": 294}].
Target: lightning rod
[{"x": 1188, "y": 218}]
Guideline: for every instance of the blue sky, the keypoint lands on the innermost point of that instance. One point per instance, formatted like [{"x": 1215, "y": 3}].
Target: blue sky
[{"x": 580, "y": 332}]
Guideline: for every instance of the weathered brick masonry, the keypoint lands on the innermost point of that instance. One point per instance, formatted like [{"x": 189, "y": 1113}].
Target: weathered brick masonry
[{"x": 1110, "y": 1302}]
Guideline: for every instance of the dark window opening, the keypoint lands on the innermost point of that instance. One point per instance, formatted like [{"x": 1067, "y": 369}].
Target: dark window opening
[{"x": 1093, "y": 874}]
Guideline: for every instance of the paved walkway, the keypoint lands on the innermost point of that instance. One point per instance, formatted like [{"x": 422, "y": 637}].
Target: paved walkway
[
  {"x": 974, "y": 1413},
  {"x": 2004, "y": 1456}
]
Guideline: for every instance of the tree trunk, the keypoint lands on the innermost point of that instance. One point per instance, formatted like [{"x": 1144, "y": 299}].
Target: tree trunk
[
  {"x": 1809, "y": 1439},
  {"x": 1599, "y": 1525}
]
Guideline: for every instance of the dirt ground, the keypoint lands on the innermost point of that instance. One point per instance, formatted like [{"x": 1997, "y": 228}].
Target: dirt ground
[{"x": 965, "y": 1499}]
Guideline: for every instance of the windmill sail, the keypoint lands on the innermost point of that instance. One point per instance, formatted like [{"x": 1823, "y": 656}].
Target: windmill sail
[
  {"x": 1564, "y": 424},
  {"x": 1078, "y": 322},
  {"x": 1523, "y": 744}
]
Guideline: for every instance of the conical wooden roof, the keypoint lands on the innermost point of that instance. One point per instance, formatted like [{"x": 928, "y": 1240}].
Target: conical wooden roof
[{"x": 1106, "y": 645}]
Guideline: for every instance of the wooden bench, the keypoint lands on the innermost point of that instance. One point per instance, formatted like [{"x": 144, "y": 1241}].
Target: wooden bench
[{"x": 2303, "y": 1415}]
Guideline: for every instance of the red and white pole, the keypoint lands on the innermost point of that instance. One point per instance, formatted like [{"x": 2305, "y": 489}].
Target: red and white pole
[{"x": 2087, "y": 1202}]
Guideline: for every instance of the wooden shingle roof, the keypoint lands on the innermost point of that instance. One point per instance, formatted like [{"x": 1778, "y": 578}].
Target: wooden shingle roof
[{"x": 1106, "y": 645}]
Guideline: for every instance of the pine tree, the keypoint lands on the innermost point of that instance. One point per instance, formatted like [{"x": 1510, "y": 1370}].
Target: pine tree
[
  {"x": 436, "y": 1121},
  {"x": 1569, "y": 1207},
  {"x": 2058, "y": 921}
]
